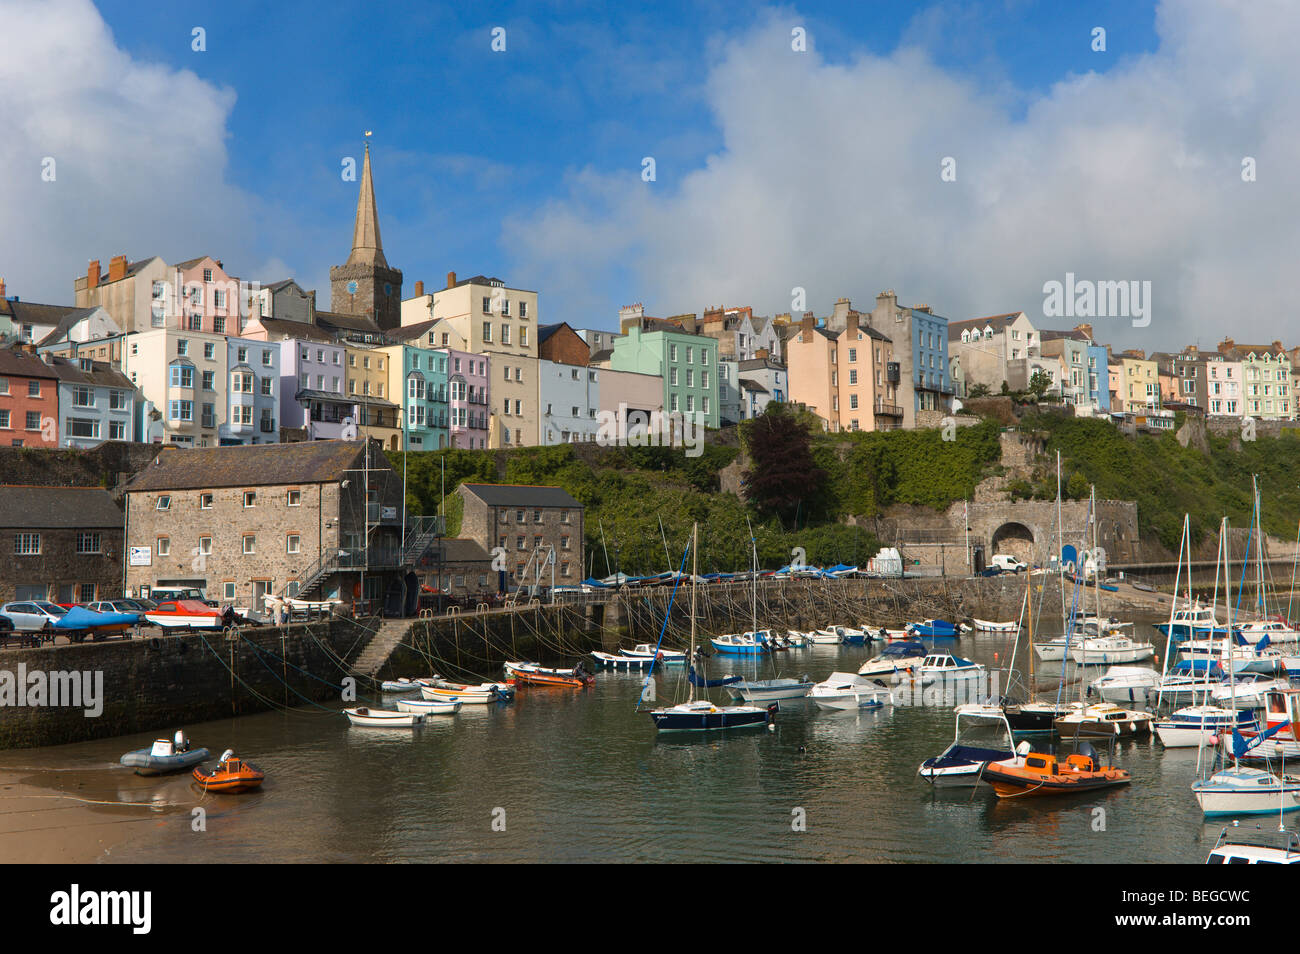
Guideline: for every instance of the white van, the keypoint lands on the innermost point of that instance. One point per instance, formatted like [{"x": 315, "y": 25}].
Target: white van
[{"x": 1008, "y": 564}]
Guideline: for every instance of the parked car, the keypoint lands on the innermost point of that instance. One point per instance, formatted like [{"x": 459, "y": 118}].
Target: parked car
[
  {"x": 33, "y": 616},
  {"x": 1008, "y": 563},
  {"x": 991, "y": 571}
]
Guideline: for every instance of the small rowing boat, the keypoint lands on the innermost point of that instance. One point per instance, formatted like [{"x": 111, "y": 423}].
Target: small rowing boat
[
  {"x": 531, "y": 674},
  {"x": 232, "y": 775},
  {"x": 615, "y": 661},
  {"x": 383, "y": 718},
  {"x": 400, "y": 685},
  {"x": 989, "y": 626},
  {"x": 429, "y": 706}
]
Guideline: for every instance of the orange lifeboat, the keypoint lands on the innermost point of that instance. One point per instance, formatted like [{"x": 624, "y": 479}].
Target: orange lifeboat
[
  {"x": 1040, "y": 773},
  {"x": 232, "y": 774}
]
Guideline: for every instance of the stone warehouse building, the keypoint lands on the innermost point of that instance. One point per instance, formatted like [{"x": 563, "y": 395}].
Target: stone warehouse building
[
  {"x": 535, "y": 527},
  {"x": 314, "y": 520},
  {"x": 60, "y": 543}
]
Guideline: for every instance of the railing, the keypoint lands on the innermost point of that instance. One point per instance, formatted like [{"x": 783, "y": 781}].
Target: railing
[{"x": 889, "y": 410}]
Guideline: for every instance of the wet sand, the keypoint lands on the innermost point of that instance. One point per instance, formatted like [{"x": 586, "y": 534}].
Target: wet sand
[{"x": 79, "y": 816}]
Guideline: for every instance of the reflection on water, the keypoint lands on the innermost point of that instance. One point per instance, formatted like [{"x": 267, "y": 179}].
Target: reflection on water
[{"x": 581, "y": 776}]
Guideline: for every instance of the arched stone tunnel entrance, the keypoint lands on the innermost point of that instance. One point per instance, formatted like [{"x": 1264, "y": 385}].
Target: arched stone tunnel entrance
[{"x": 1013, "y": 538}]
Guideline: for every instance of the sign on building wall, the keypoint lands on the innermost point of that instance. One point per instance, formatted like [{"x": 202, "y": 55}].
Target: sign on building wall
[{"x": 140, "y": 556}]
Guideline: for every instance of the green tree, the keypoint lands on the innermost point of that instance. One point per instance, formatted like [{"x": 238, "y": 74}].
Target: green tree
[{"x": 784, "y": 474}]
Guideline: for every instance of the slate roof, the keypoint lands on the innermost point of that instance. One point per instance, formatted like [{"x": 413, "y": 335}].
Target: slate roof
[
  {"x": 289, "y": 328},
  {"x": 747, "y": 385},
  {"x": 996, "y": 322},
  {"x": 332, "y": 319},
  {"x": 15, "y": 362},
  {"x": 34, "y": 313},
  {"x": 101, "y": 374},
  {"x": 484, "y": 280},
  {"x": 412, "y": 331},
  {"x": 460, "y": 550},
  {"x": 517, "y": 495},
  {"x": 66, "y": 324},
  {"x": 252, "y": 465},
  {"x": 57, "y": 508}
]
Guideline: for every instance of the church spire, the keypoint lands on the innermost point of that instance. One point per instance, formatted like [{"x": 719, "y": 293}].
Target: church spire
[{"x": 367, "y": 247}]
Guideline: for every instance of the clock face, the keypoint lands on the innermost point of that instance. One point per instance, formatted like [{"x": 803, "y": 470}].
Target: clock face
[{"x": 352, "y": 288}]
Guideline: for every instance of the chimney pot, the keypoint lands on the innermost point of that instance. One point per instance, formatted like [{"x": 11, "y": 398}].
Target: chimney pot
[
  {"x": 117, "y": 268},
  {"x": 92, "y": 274},
  {"x": 419, "y": 289},
  {"x": 451, "y": 279},
  {"x": 2, "y": 289}
]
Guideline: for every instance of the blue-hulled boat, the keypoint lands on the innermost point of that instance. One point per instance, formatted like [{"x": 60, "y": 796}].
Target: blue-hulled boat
[
  {"x": 935, "y": 629},
  {"x": 742, "y": 644}
]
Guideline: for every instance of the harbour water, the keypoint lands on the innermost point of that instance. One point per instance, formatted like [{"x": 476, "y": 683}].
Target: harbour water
[{"x": 579, "y": 776}]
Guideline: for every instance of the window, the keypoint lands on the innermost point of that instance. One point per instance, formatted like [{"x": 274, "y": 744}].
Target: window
[
  {"x": 487, "y": 305},
  {"x": 83, "y": 397},
  {"x": 116, "y": 400},
  {"x": 523, "y": 337},
  {"x": 266, "y": 386},
  {"x": 164, "y": 546},
  {"x": 81, "y": 427},
  {"x": 266, "y": 358},
  {"x": 205, "y": 501},
  {"x": 27, "y": 544},
  {"x": 228, "y": 590},
  {"x": 209, "y": 380},
  {"x": 672, "y": 352},
  {"x": 505, "y": 334},
  {"x": 205, "y": 546},
  {"x": 294, "y": 498},
  {"x": 250, "y": 543},
  {"x": 293, "y": 543},
  {"x": 4, "y": 418},
  {"x": 182, "y": 346},
  {"x": 523, "y": 310},
  {"x": 182, "y": 376},
  {"x": 116, "y": 431},
  {"x": 164, "y": 502},
  {"x": 250, "y": 498}
]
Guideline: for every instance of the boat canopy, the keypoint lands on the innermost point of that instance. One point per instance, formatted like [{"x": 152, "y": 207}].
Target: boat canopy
[
  {"x": 906, "y": 647},
  {"x": 703, "y": 683},
  {"x": 1197, "y": 667}
]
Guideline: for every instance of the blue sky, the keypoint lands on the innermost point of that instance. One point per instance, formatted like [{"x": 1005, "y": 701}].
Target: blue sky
[
  {"x": 466, "y": 138},
  {"x": 777, "y": 172}
]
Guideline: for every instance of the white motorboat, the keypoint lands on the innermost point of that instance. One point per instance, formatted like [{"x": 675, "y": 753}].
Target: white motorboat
[
  {"x": 1126, "y": 684},
  {"x": 1103, "y": 719},
  {"x": 794, "y": 639},
  {"x": 471, "y": 697},
  {"x": 616, "y": 661},
  {"x": 1276, "y": 631},
  {"x": 1199, "y": 725},
  {"x": 1247, "y": 846},
  {"x": 1109, "y": 650},
  {"x": 826, "y": 637},
  {"x": 769, "y": 690},
  {"x": 648, "y": 650},
  {"x": 1242, "y": 790},
  {"x": 941, "y": 667},
  {"x": 429, "y": 706},
  {"x": 1250, "y": 691},
  {"x": 988, "y": 626},
  {"x": 843, "y": 690},
  {"x": 897, "y": 659},
  {"x": 982, "y": 735},
  {"x": 383, "y": 718}
]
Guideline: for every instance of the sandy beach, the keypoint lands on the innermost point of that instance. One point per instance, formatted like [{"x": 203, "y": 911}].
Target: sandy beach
[{"x": 77, "y": 816}]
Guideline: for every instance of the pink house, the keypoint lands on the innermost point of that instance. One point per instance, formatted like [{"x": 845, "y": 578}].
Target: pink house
[
  {"x": 203, "y": 297},
  {"x": 467, "y": 399}
]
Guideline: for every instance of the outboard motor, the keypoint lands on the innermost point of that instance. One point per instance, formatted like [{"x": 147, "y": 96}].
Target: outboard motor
[
  {"x": 227, "y": 755},
  {"x": 182, "y": 743}
]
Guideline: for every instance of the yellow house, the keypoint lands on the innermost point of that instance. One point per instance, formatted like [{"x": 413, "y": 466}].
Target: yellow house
[{"x": 378, "y": 415}]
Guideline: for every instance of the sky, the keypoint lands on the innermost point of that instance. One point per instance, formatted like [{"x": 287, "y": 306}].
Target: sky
[{"x": 962, "y": 153}]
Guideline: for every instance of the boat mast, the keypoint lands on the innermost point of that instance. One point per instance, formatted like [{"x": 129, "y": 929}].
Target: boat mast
[
  {"x": 695, "y": 576},
  {"x": 1232, "y": 678},
  {"x": 1184, "y": 546},
  {"x": 1260, "y": 602}
]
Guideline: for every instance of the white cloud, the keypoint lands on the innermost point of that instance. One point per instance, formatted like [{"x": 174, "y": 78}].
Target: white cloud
[
  {"x": 829, "y": 180},
  {"x": 139, "y": 152}
]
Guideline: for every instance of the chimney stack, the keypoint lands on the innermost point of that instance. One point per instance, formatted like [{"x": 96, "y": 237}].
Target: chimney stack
[
  {"x": 117, "y": 268},
  {"x": 419, "y": 289},
  {"x": 92, "y": 274},
  {"x": 2, "y": 289},
  {"x": 451, "y": 279}
]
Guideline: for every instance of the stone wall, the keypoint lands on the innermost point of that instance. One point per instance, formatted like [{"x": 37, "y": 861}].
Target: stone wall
[
  {"x": 172, "y": 682},
  {"x": 109, "y": 465},
  {"x": 59, "y": 565}
]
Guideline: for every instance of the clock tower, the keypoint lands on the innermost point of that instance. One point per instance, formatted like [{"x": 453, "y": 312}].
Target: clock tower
[{"x": 365, "y": 285}]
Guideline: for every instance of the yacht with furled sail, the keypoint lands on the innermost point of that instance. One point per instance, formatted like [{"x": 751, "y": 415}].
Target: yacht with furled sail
[{"x": 701, "y": 715}]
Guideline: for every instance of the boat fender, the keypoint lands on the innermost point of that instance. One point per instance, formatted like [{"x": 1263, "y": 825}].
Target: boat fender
[{"x": 155, "y": 643}]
